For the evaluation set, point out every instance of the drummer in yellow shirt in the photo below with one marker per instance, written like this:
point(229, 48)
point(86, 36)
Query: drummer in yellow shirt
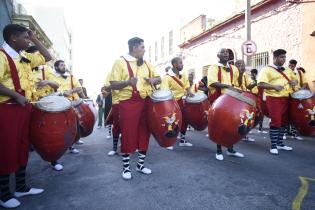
point(278, 82)
point(177, 82)
point(69, 87)
point(16, 89)
point(134, 78)
point(230, 78)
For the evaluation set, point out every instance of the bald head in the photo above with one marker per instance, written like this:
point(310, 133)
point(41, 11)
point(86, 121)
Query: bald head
point(223, 55)
point(177, 63)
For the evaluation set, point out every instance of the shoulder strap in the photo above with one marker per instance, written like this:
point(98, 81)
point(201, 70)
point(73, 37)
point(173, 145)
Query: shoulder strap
point(43, 74)
point(14, 74)
point(283, 74)
point(231, 75)
point(150, 72)
point(177, 81)
point(130, 72)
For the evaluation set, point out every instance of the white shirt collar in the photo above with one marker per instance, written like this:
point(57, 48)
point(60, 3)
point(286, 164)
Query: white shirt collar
point(129, 58)
point(274, 66)
point(60, 75)
point(172, 74)
point(11, 52)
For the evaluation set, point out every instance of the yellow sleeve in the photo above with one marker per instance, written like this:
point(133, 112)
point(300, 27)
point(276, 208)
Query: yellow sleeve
point(152, 69)
point(236, 74)
point(165, 83)
point(263, 76)
point(35, 58)
point(49, 73)
point(304, 78)
point(186, 81)
point(212, 75)
point(3, 66)
point(76, 83)
point(116, 74)
point(106, 83)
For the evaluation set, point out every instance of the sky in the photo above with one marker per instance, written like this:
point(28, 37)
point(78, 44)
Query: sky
point(101, 29)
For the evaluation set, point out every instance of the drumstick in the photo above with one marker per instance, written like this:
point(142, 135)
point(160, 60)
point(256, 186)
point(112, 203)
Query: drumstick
point(36, 102)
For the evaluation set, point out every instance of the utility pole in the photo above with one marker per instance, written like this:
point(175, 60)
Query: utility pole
point(248, 28)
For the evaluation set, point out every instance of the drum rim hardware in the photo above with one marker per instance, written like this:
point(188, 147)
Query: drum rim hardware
point(240, 97)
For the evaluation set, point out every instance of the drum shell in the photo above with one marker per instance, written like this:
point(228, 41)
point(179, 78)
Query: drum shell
point(85, 118)
point(196, 114)
point(224, 119)
point(93, 108)
point(299, 116)
point(51, 134)
point(157, 114)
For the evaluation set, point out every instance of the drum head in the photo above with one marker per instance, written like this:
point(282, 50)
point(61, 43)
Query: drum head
point(53, 104)
point(197, 98)
point(76, 102)
point(162, 95)
point(302, 94)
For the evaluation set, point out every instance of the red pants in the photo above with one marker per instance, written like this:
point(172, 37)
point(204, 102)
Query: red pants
point(14, 137)
point(116, 127)
point(278, 110)
point(183, 129)
point(133, 123)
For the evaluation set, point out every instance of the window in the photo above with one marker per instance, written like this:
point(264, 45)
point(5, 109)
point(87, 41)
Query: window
point(170, 43)
point(162, 47)
point(156, 51)
point(259, 60)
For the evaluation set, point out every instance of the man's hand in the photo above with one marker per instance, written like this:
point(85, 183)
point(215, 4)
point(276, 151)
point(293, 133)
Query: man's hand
point(67, 93)
point(293, 83)
point(278, 87)
point(41, 83)
point(32, 35)
point(20, 99)
point(133, 81)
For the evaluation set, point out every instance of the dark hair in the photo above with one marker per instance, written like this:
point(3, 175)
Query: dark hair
point(254, 71)
point(31, 49)
point(292, 61)
point(134, 42)
point(279, 52)
point(301, 69)
point(175, 60)
point(12, 29)
point(56, 64)
point(80, 79)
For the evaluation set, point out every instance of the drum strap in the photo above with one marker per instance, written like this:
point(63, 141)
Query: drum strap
point(283, 74)
point(196, 89)
point(134, 88)
point(14, 74)
point(72, 85)
point(178, 81)
point(43, 74)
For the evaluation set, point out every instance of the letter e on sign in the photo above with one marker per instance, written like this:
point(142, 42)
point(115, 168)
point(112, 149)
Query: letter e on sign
point(249, 48)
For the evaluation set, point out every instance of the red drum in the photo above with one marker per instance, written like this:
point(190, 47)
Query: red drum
point(164, 117)
point(85, 117)
point(231, 117)
point(196, 111)
point(302, 112)
point(92, 107)
point(53, 127)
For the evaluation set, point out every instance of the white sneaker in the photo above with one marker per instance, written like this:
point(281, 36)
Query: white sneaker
point(284, 137)
point(9, 204)
point(185, 144)
point(57, 167)
point(249, 139)
point(144, 170)
point(219, 156)
point(109, 136)
point(274, 151)
point(298, 138)
point(126, 175)
point(286, 148)
point(235, 154)
point(80, 142)
point(32, 191)
point(74, 151)
point(207, 135)
point(111, 153)
point(264, 132)
point(170, 148)
point(99, 127)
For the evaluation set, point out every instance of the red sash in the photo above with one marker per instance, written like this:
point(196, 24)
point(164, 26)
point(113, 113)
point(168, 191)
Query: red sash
point(283, 74)
point(196, 89)
point(14, 74)
point(134, 87)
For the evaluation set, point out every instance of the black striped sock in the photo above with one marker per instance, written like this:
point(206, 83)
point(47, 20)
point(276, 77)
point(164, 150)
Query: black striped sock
point(141, 156)
point(20, 181)
point(126, 164)
point(115, 143)
point(282, 131)
point(219, 149)
point(5, 188)
point(110, 130)
point(294, 131)
point(274, 135)
point(182, 138)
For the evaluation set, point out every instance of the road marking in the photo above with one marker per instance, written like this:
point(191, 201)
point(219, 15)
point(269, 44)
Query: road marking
point(296, 205)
